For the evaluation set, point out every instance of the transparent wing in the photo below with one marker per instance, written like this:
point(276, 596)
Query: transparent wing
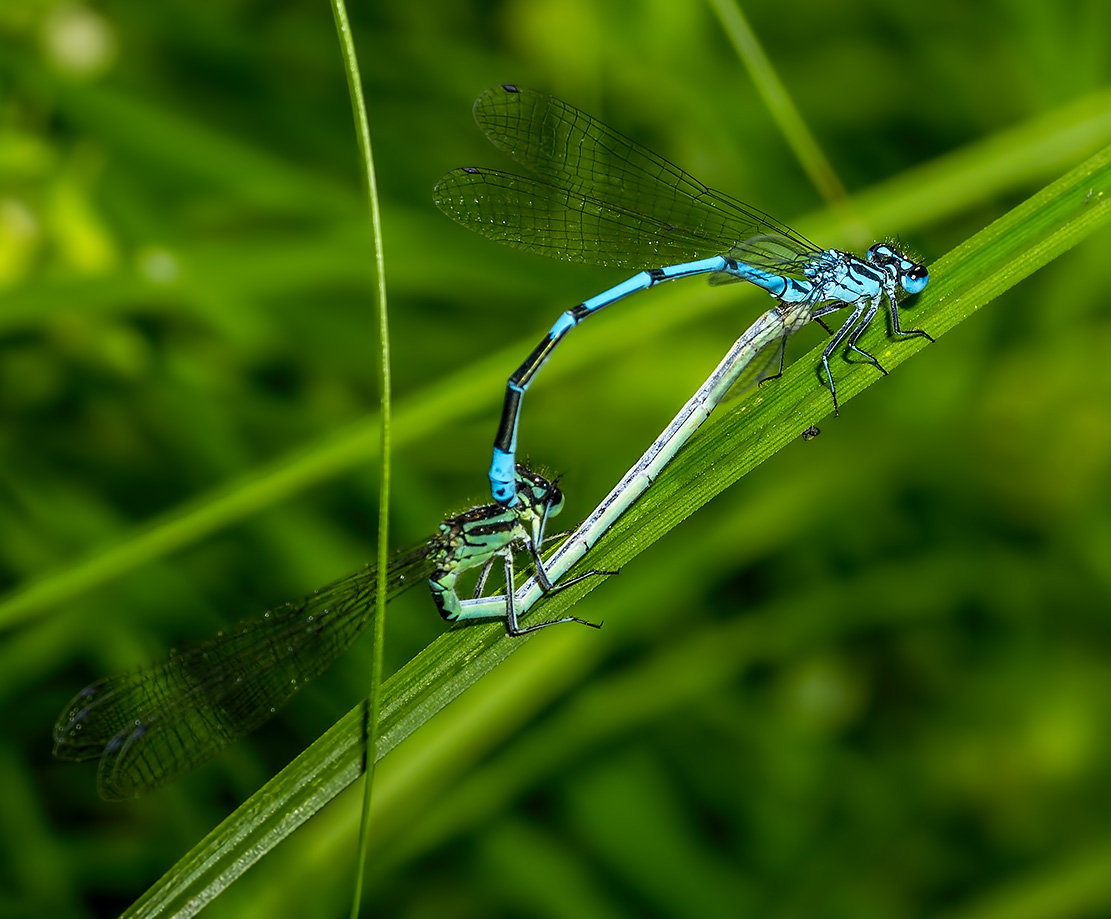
point(599, 184)
point(769, 336)
point(544, 219)
point(770, 251)
point(150, 728)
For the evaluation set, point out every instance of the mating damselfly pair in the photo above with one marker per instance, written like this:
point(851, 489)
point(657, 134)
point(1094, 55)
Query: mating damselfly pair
point(598, 198)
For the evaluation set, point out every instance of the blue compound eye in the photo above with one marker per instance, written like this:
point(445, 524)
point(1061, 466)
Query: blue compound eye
point(915, 280)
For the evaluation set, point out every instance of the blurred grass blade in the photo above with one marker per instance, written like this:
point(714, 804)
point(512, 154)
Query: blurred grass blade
point(1011, 249)
point(779, 102)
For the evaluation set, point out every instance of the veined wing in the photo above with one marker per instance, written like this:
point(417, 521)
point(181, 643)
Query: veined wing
point(769, 336)
point(150, 728)
point(576, 152)
point(771, 252)
point(545, 219)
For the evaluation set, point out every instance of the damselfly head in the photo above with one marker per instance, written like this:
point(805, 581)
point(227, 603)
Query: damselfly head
point(912, 276)
point(538, 492)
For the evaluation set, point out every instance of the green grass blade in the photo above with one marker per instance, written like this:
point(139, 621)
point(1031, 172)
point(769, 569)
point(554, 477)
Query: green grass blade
point(373, 703)
point(779, 102)
point(745, 434)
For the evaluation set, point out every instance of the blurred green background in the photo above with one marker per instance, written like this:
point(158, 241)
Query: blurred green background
point(869, 681)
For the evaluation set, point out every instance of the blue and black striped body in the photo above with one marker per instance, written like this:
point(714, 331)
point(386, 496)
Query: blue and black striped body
point(602, 199)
